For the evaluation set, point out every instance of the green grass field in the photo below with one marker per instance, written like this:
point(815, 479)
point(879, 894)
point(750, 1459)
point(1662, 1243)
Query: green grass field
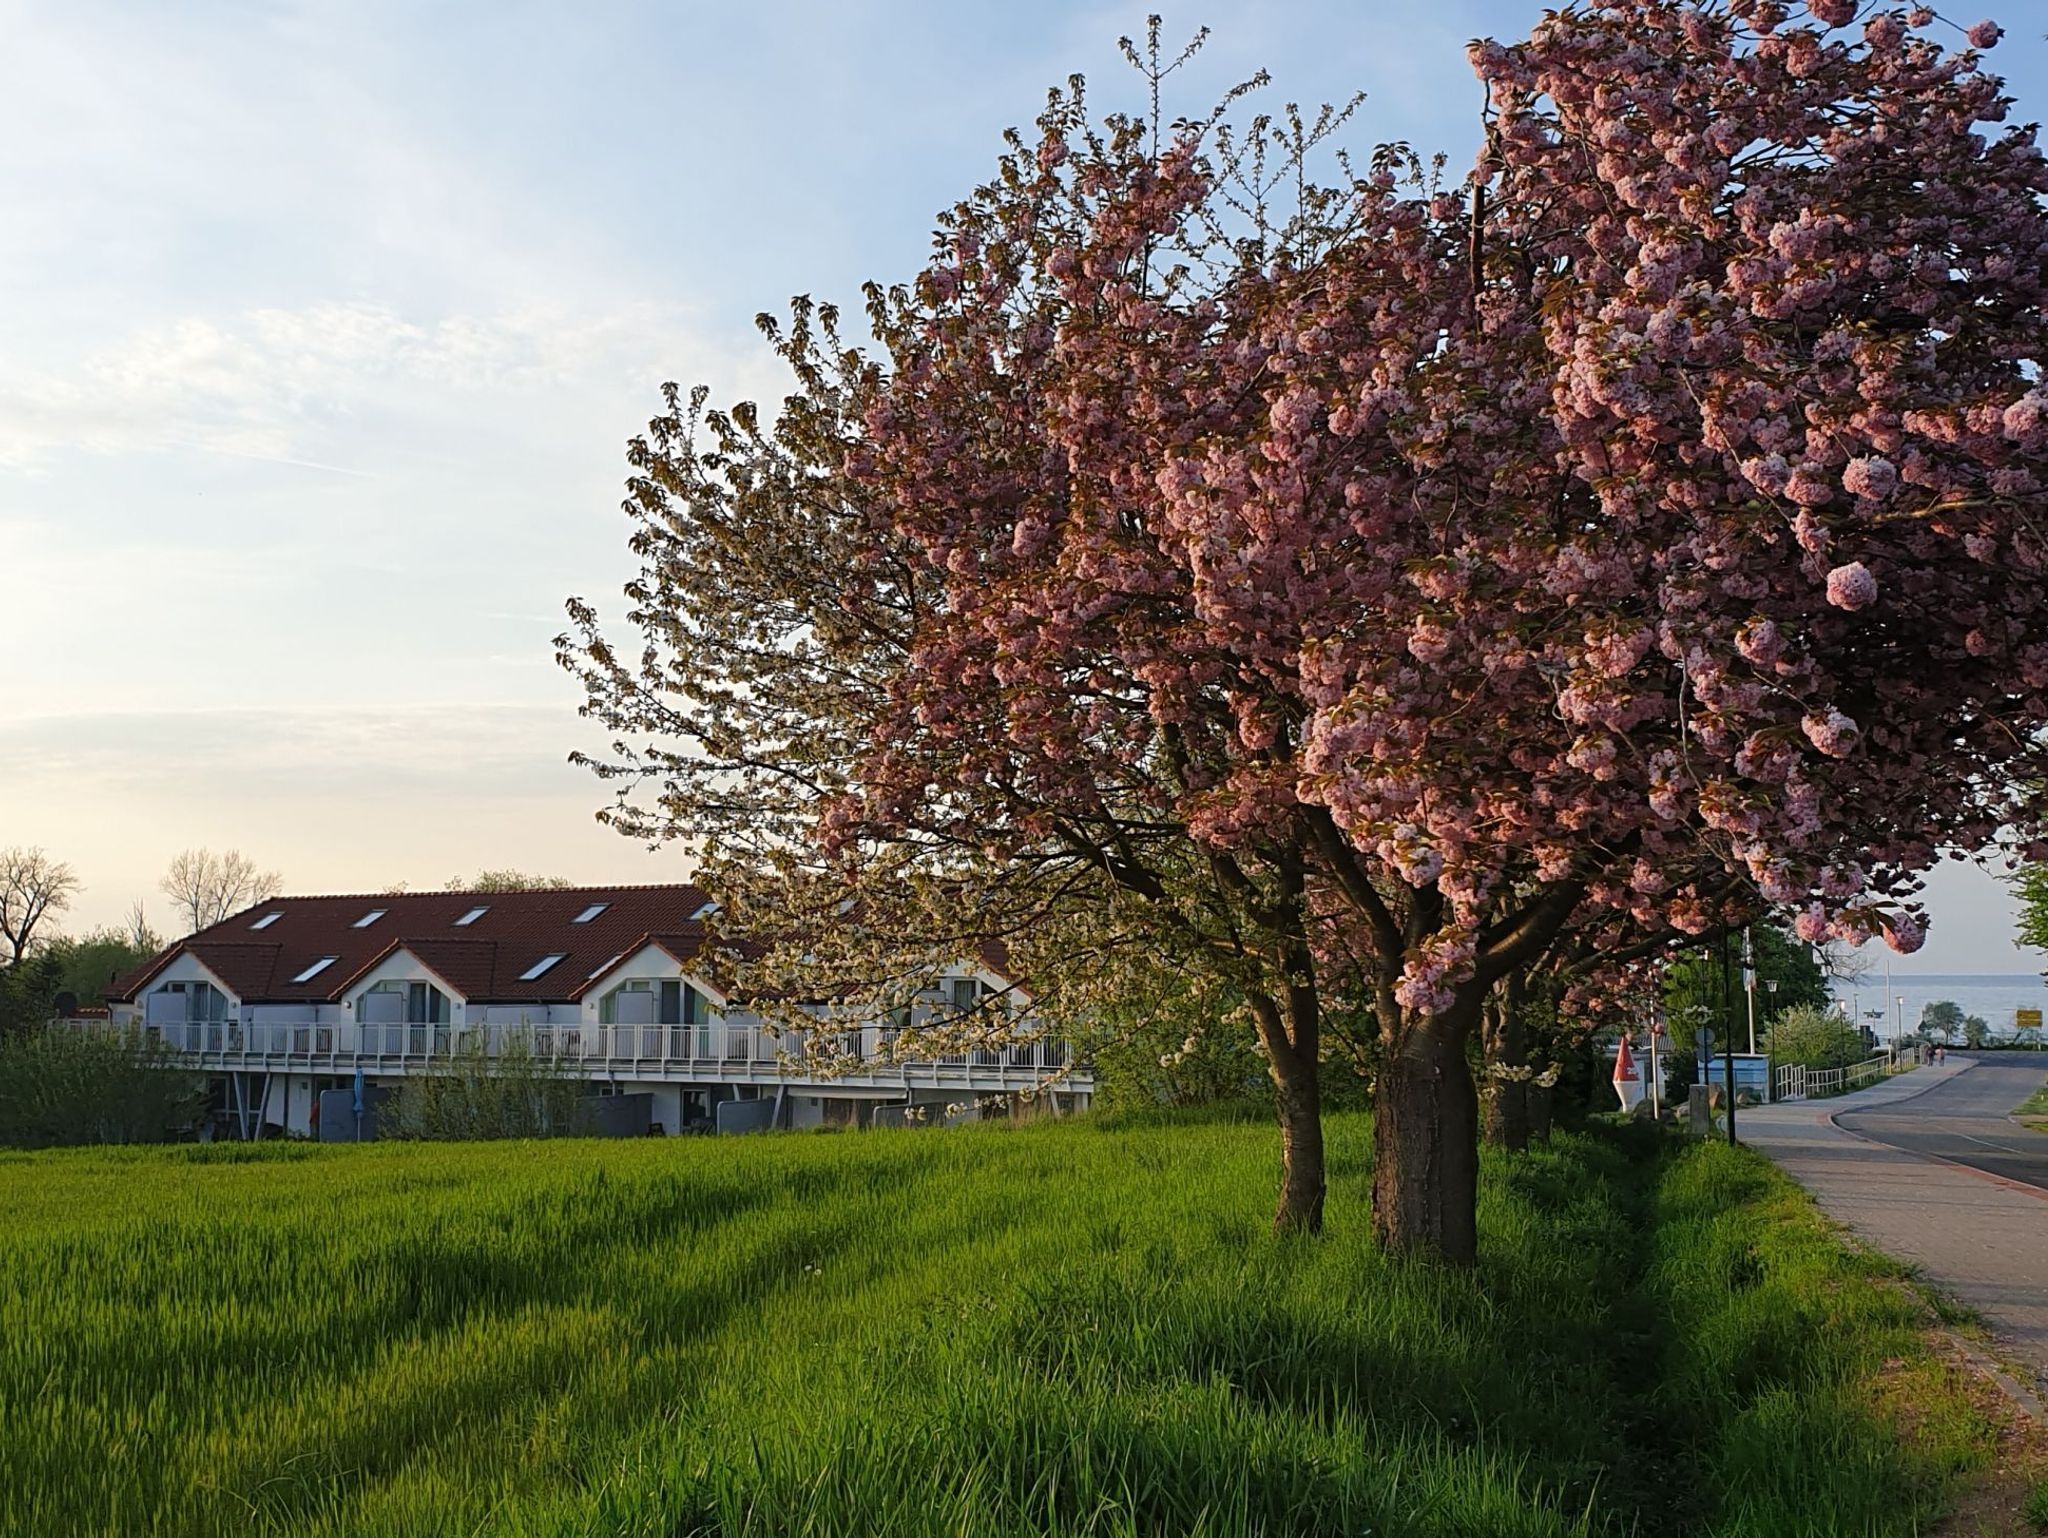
point(1061, 1329)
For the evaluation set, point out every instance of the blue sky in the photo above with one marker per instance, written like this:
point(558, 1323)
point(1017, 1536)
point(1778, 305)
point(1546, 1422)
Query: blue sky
point(327, 324)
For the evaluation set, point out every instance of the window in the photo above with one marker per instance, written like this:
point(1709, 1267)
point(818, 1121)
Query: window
point(665, 1001)
point(191, 1003)
point(316, 969)
point(541, 966)
point(473, 915)
point(369, 918)
point(413, 1003)
point(267, 920)
point(590, 913)
point(704, 912)
point(966, 993)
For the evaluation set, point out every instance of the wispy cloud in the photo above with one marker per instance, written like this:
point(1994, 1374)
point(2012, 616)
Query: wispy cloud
point(481, 749)
point(263, 384)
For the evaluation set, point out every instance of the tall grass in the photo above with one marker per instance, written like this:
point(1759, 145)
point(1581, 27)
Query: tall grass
point(1060, 1329)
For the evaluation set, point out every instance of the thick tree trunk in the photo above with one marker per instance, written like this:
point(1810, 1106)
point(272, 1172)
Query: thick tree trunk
point(1425, 1174)
point(1505, 1037)
point(1293, 1045)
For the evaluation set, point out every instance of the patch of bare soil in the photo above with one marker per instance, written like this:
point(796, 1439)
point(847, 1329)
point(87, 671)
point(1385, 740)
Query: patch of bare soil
point(2001, 1499)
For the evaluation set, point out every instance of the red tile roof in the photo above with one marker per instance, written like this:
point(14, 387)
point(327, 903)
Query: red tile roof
point(480, 961)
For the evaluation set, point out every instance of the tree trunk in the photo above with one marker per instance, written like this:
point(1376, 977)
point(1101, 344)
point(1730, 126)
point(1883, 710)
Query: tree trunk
point(1425, 1173)
point(1292, 1048)
point(1541, 1100)
point(1302, 1178)
point(1505, 1037)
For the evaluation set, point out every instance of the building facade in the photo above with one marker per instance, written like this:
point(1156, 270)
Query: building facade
point(619, 986)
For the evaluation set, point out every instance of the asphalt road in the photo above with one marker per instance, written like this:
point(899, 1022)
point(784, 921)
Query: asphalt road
point(1966, 1118)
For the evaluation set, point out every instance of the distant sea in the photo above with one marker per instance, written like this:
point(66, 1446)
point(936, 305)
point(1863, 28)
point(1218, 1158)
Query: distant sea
point(1994, 995)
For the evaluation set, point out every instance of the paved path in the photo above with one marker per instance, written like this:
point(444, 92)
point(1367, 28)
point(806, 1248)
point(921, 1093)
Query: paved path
point(1981, 1237)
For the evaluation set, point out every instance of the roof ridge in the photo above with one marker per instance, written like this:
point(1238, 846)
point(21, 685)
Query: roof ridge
point(524, 891)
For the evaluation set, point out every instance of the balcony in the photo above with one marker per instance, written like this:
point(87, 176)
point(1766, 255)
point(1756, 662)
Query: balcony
point(734, 1053)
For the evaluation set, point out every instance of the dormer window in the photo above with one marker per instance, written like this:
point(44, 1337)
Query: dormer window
point(186, 1004)
point(316, 969)
point(653, 1001)
point(541, 966)
point(369, 918)
point(590, 913)
point(472, 916)
point(267, 920)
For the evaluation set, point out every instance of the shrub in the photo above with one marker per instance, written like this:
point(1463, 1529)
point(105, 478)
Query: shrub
point(1813, 1037)
point(60, 1087)
point(475, 1095)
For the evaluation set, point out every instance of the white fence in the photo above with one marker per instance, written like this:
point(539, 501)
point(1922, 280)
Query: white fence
point(1795, 1081)
point(751, 1050)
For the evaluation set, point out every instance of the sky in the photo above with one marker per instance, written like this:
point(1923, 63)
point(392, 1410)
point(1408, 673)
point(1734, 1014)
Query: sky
point(328, 323)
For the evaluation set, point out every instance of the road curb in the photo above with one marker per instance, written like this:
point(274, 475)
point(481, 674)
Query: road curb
point(1914, 1153)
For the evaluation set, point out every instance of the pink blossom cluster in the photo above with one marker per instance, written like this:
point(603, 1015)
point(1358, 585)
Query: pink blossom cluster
point(1852, 586)
point(1434, 970)
point(1486, 609)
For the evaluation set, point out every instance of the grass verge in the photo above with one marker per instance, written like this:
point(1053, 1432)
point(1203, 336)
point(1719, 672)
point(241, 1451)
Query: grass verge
point(1065, 1329)
point(2034, 1111)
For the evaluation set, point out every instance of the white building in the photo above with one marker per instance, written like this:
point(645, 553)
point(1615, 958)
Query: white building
point(618, 985)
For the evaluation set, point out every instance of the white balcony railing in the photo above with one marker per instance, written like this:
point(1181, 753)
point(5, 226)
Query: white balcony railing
point(713, 1048)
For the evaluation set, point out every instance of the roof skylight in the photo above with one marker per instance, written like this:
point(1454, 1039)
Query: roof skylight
point(268, 919)
point(541, 966)
point(473, 915)
point(316, 969)
point(369, 918)
point(704, 912)
point(590, 913)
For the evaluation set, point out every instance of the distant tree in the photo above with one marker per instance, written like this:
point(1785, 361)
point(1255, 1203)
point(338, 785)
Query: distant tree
point(1976, 1031)
point(1941, 1019)
point(2030, 885)
point(207, 887)
point(89, 963)
point(1701, 990)
point(508, 881)
point(1816, 1038)
point(32, 887)
point(141, 933)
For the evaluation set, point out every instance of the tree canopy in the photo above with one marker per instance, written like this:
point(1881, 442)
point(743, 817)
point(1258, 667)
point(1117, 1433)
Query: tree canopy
point(1380, 585)
point(33, 888)
point(205, 885)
